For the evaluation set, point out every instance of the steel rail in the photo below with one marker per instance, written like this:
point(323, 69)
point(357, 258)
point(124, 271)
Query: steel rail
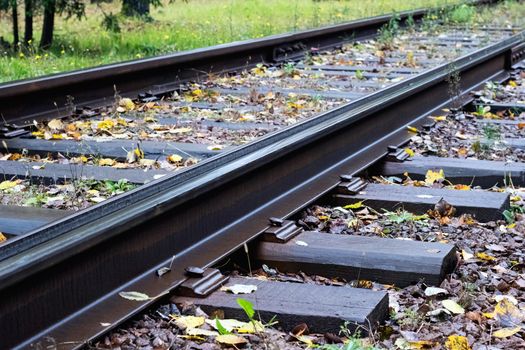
point(198, 220)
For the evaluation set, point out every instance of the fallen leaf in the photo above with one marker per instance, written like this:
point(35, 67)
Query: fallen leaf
point(354, 205)
point(55, 124)
point(510, 298)
point(410, 152)
point(457, 342)
point(434, 176)
point(485, 257)
point(228, 324)
point(508, 314)
point(174, 158)
point(5, 185)
point(180, 130)
point(431, 291)
point(251, 327)
point(186, 322)
point(195, 332)
point(127, 104)
point(466, 255)
point(453, 307)
point(3, 238)
point(136, 296)
point(412, 129)
point(230, 339)
point(240, 288)
point(106, 162)
point(506, 332)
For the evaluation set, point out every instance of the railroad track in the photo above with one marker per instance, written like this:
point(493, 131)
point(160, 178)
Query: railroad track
point(269, 130)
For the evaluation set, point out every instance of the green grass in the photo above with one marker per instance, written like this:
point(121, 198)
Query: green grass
point(180, 26)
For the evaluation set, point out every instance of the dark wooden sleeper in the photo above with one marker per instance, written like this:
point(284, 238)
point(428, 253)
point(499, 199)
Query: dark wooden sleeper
point(483, 205)
point(383, 260)
point(49, 173)
point(484, 173)
point(322, 308)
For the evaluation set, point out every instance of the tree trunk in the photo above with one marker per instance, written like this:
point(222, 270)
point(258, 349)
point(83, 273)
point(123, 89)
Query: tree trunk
point(49, 23)
point(28, 21)
point(16, 36)
point(135, 8)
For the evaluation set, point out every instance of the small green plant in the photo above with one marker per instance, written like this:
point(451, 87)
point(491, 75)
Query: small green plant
point(354, 341)
point(462, 14)
point(402, 216)
point(118, 187)
point(491, 133)
point(411, 319)
point(410, 23)
point(289, 69)
point(37, 200)
point(388, 32)
point(510, 214)
point(359, 74)
point(220, 327)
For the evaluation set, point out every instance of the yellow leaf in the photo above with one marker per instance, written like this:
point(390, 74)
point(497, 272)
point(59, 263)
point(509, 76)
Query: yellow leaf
point(139, 153)
point(106, 162)
point(485, 257)
point(3, 238)
point(251, 327)
point(439, 118)
point(488, 314)
point(230, 339)
point(180, 130)
point(457, 342)
point(513, 83)
point(433, 176)
point(410, 152)
point(354, 206)
point(185, 322)
point(453, 307)
point(511, 225)
point(5, 185)
point(506, 332)
point(323, 217)
point(106, 124)
point(421, 344)
point(174, 158)
point(412, 129)
point(462, 187)
point(127, 104)
point(508, 314)
point(55, 124)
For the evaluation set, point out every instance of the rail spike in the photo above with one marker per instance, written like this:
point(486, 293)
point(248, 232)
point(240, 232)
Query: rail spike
point(396, 154)
point(350, 185)
point(281, 231)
